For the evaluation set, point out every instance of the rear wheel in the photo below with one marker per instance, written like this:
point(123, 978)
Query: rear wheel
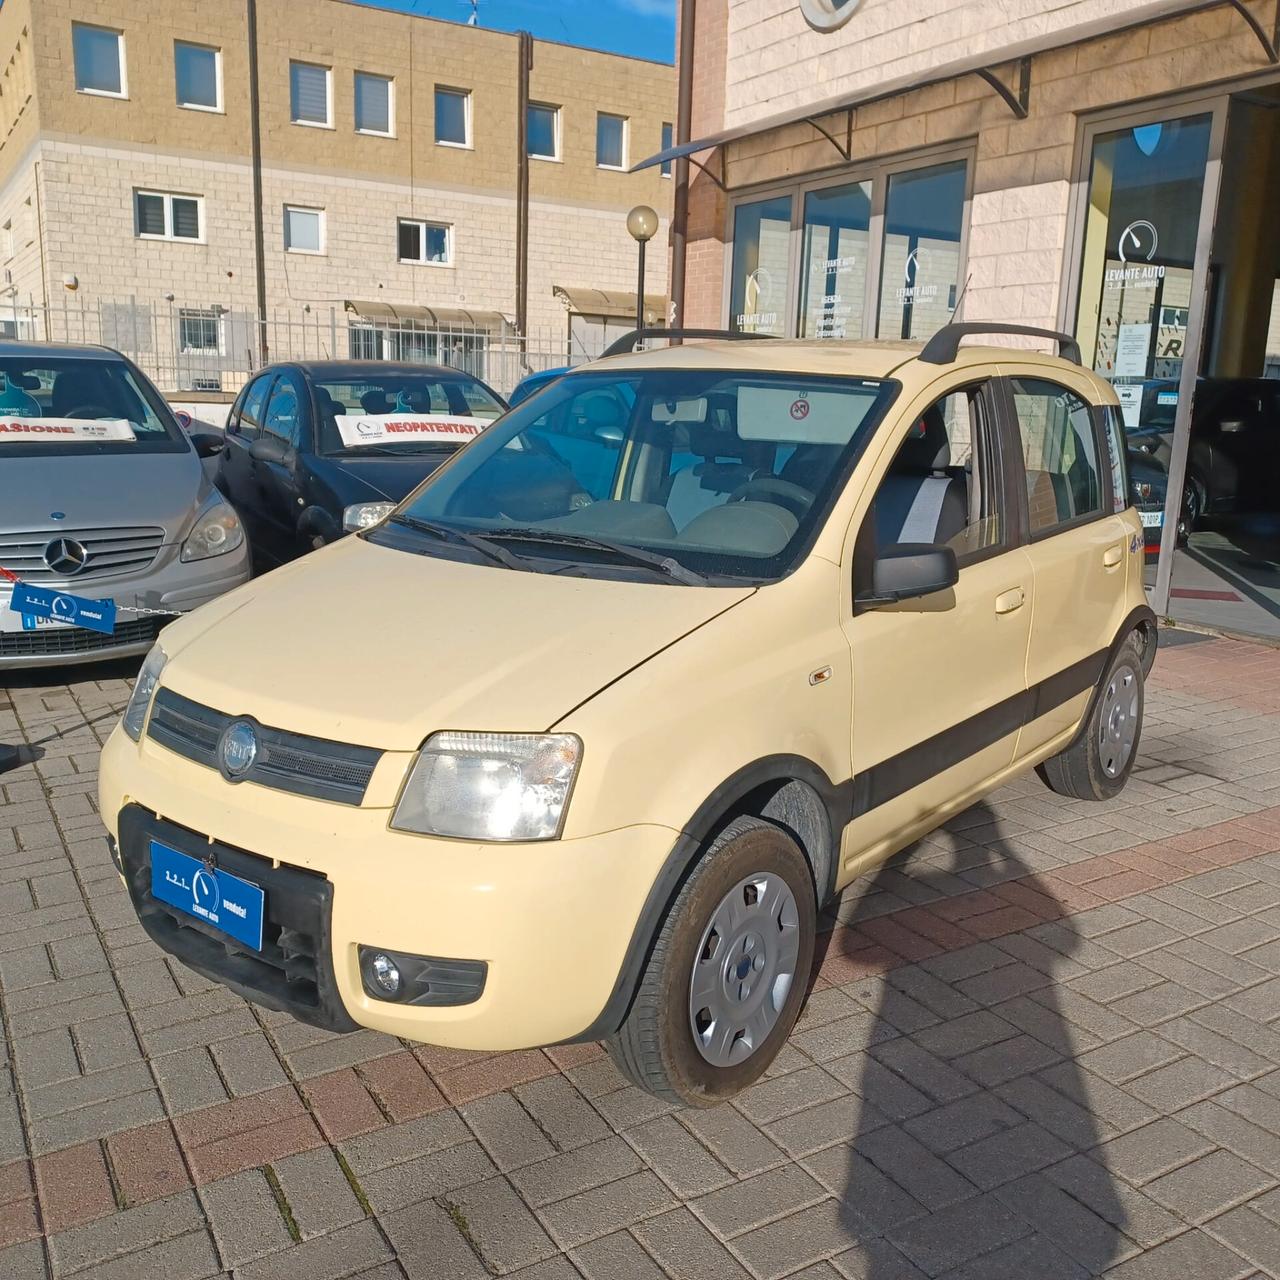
point(728, 972)
point(1097, 765)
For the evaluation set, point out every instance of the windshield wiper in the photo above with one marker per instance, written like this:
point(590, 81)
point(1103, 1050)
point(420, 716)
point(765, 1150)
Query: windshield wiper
point(447, 533)
point(562, 538)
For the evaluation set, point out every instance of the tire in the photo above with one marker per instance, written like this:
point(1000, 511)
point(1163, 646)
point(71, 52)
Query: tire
point(1098, 763)
point(744, 873)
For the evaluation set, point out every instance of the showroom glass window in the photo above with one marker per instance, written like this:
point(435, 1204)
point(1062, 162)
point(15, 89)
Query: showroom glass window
point(1146, 184)
point(833, 261)
point(761, 252)
point(920, 268)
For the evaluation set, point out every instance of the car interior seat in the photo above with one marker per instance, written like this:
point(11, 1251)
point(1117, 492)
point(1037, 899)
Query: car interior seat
point(921, 500)
point(78, 389)
point(726, 465)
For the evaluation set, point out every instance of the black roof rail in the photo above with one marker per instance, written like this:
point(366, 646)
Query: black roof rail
point(629, 341)
point(943, 346)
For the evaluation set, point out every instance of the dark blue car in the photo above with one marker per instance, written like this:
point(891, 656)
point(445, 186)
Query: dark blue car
point(315, 449)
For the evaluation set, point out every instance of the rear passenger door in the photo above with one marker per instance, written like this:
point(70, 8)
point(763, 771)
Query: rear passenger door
point(939, 682)
point(1079, 546)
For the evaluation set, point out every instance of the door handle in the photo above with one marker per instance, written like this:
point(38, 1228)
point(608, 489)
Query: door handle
point(1008, 601)
point(1112, 557)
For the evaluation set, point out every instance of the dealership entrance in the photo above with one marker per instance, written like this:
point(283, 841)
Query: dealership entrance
point(1176, 300)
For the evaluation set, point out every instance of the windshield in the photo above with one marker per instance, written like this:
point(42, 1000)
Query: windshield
point(717, 475)
point(68, 407)
point(403, 412)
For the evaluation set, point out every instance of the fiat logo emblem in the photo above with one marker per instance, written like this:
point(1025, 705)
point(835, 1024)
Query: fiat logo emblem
point(65, 557)
point(237, 750)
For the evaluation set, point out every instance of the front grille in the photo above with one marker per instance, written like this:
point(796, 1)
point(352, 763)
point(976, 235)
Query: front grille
point(292, 762)
point(56, 642)
point(293, 972)
point(109, 552)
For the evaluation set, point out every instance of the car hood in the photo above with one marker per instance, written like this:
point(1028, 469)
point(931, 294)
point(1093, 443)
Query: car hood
point(102, 492)
point(380, 647)
point(378, 479)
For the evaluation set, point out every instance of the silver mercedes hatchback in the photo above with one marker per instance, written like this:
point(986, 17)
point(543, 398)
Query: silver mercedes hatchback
point(102, 496)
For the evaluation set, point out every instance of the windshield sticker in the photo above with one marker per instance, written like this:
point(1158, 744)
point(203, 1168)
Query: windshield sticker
point(68, 430)
point(407, 428)
point(800, 417)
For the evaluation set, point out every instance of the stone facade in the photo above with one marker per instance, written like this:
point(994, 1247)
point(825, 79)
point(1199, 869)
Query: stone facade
point(71, 163)
point(760, 59)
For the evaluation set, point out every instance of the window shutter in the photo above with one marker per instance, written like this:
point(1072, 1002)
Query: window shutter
point(309, 92)
point(186, 218)
point(373, 103)
point(150, 215)
point(97, 58)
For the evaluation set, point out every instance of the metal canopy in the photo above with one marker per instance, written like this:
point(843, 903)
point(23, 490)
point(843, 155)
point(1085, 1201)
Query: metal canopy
point(614, 303)
point(1019, 54)
point(402, 313)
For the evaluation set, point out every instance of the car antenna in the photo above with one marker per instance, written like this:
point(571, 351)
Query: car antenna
point(956, 309)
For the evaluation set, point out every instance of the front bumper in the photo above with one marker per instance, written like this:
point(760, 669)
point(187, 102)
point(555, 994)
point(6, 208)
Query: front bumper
point(551, 921)
point(168, 584)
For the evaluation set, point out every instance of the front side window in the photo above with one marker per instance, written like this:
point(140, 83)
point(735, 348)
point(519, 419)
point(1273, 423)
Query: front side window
point(665, 167)
point(920, 273)
point(1060, 452)
point(98, 53)
point(161, 215)
point(197, 73)
point(611, 141)
point(375, 112)
point(303, 229)
point(761, 250)
point(728, 475)
point(60, 408)
point(544, 132)
point(453, 117)
point(428, 242)
point(199, 330)
point(833, 266)
point(310, 99)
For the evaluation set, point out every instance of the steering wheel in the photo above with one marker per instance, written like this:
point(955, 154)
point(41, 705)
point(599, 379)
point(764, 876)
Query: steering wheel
point(90, 411)
point(794, 497)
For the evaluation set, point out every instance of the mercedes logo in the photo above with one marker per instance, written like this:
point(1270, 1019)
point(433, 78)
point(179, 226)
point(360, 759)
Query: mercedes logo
point(237, 750)
point(65, 557)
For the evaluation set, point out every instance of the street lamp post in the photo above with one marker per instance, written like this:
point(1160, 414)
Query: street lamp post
point(642, 223)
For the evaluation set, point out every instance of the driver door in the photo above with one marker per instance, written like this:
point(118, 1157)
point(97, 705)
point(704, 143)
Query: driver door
point(939, 682)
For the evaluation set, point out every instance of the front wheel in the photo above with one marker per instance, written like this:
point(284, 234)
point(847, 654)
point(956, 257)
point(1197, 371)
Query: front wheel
point(1098, 763)
point(728, 971)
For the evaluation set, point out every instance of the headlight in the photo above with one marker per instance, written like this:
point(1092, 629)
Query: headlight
point(135, 714)
point(217, 531)
point(490, 786)
point(364, 515)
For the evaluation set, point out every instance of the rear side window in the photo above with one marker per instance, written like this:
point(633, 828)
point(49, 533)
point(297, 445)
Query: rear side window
point(1060, 452)
point(251, 412)
point(1113, 420)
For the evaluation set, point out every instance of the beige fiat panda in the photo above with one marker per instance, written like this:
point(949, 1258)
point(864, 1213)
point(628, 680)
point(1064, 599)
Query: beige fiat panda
point(575, 744)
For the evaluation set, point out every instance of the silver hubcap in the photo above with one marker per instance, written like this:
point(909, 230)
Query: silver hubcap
point(744, 969)
point(1118, 722)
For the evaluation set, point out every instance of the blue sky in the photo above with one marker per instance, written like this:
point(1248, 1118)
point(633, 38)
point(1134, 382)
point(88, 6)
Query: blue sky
point(644, 28)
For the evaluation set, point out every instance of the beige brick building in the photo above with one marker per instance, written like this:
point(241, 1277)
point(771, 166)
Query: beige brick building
point(388, 161)
point(862, 173)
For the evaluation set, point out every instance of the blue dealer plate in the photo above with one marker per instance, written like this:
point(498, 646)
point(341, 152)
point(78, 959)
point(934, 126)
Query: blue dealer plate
point(225, 901)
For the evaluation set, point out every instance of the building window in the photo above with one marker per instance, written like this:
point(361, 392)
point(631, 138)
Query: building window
point(160, 215)
point(833, 261)
point(544, 131)
point(197, 72)
point(429, 242)
point(827, 15)
point(611, 141)
point(99, 59)
point(920, 269)
point(453, 117)
point(303, 229)
point(375, 104)
point(199, 330)
point(761, 245)
point(665, 167)
point(310, 95)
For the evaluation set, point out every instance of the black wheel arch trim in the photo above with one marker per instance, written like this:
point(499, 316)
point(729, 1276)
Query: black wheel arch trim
point(1143, 616)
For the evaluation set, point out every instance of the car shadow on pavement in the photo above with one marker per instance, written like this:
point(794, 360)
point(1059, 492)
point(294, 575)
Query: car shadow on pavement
point(967, 1157)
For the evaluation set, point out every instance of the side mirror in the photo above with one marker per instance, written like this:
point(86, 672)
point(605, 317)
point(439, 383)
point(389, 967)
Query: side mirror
point(609, 435)
point(909, 570)
point(270, 449)
point(208, 443)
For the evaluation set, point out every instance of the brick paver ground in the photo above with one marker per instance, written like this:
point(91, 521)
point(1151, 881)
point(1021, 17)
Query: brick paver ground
point(1043, 1044)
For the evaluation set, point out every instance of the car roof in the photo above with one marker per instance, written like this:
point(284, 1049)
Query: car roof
point(15, 348)
point(358, 369)
point(882, 358)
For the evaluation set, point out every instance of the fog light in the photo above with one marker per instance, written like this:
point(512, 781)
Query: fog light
point(384, 972)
